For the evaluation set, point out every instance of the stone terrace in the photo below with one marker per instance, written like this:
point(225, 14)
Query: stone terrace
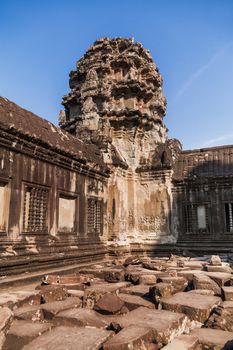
point(137, 303)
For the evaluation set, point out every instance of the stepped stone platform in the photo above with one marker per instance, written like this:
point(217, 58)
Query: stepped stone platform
point(116, 306)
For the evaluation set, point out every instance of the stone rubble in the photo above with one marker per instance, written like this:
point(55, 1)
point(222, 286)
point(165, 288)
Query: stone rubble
point(113, 306)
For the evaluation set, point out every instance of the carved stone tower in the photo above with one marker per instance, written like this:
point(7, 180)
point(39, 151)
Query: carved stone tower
point(116, 102)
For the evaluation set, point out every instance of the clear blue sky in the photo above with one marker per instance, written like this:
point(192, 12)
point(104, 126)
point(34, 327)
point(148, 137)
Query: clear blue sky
point(190, 41)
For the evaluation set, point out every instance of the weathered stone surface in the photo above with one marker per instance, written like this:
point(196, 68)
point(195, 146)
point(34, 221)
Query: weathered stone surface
point(189, 274)
point(194, 265)
point(147, 279)
point(132, 337)
point(97, 291)
point(160, 290)
point(202, 291)
point(184, 342)
point(51, 293)
point(29, 312)
point(53, 308)
point(139, 289)
point(212, 339)
point(165, 324)
point(76, 293)
point(79, 317)
point(202, 281)
point(179, 284)
point(132, 260)
point(223, 268)
point(133, 301)
point(110, 304)
point(221, 318)
point(220, 277)
point(2, 339)
point(19, 298)
point(197, 308)
point(228, 293)
point(70, 338)
point(23, 332)
point(6, 316)
point(215, 260)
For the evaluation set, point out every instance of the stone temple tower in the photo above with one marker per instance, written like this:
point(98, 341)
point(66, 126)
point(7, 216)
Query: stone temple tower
point(116, 102)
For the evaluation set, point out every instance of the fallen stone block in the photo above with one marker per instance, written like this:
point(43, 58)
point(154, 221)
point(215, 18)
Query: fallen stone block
point(139, 290)
point(147, 279)
point(2, 339)
point(194, 265)
point(221, 318)
point(6, 316)
point(132, 337)
point(76, 293)
point(71, 338)
point(23, 332)
point(113, 274)
point(228, 293)
point(184, 342)
point(51, 309)
point(212, 339)
point(29, 312)
point(221, 278)
point(80, 318)
point(166, 325)
point(95, 292)
point(51, 293)
point(215, 260)
point(225, 269)
point(197, 308)
point(202, 281)
point(201, 291)
point(189, 274)
point(110, 304)
point(160, 290)
point(132, 260)
point(179, 284)
point(133, 301)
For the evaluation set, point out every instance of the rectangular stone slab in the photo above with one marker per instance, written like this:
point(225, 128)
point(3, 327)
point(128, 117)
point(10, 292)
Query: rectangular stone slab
point(183, 342)
point(70, 338)
point(51, 309)
point(132, 337)
point(197, 307)
point(212, 337)
point(133, 301)
point(139, 290)
point(79, 318)
point(165, 324)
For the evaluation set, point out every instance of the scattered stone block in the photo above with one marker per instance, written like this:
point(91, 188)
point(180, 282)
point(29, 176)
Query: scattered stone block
point(221, 278)
point(212, 339)
point(132, 337)
point(71, 338)
point(183, 342)
point(110, 304)
point(23, 332)
point(51, 309)
point(215, 260)
point(202, 291)
point(194, 265)
point(179, 284)
point(160, 290)
point(202, 281)
point(114, 274)
point(147, 279)
point(29, 312)
point(80, 318)
point(228, 293)
point(166, 325)
point(222, 317)
point(76, 293)
point(133, 301)
point(197, 309)
point(51, 293)
point(2, 339)
point(139, 290)
point(6, 316)
point(225, 269)
point(132, 260)
point(189, 274)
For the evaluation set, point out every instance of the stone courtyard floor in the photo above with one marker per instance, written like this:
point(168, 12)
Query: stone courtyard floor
point(139, 303)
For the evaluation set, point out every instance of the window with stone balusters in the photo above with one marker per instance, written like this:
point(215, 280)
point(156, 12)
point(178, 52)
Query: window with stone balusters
point(35, 209)
point(196, 219)
point(95, 215)
point(229, 217)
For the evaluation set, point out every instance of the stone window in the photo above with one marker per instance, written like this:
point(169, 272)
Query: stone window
point(95, 215)
point(35, 209)
point(196, 218)
point(67, 213)
point(229, 216)
point(4, 203)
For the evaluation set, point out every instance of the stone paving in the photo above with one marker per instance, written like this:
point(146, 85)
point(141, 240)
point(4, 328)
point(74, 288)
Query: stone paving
point(171, 303)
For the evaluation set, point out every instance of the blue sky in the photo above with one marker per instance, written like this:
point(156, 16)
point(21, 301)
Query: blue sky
point(190, 41)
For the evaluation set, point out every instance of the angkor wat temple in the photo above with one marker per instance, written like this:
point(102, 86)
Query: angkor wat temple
point(108, 181)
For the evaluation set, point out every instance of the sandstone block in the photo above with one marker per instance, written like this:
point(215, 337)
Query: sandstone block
point(202, 291)
point(70, 338)
point(160, 290)
point(132, 337)
point(197, 309)
point(133, 301)
point(6, 316)
point(212, 338)
point(221, 278)
point(202, 281)
point(51, 293)
point(139, 290)
point(29, 312)
point(80, 318)
point(23, 332)
point(109, 304)
point(179, 284)
point(147, 279)
point(51, 309)
point(184, 342)
point(215, 260)
point(228, 293)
